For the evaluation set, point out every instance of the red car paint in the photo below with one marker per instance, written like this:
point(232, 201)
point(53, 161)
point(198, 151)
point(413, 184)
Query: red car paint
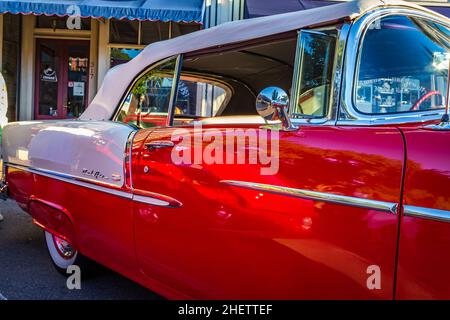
point(229, 242)
point(423, 261)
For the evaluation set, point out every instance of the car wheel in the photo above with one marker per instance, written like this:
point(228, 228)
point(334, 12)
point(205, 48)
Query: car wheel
point(64, 255)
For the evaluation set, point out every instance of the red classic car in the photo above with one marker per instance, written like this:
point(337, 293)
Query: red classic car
point(336, 186)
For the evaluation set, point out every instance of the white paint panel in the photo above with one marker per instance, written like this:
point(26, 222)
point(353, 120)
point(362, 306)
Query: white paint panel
point(92, 150)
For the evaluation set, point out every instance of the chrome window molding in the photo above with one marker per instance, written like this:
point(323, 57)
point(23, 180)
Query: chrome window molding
point(128, 156)
point(95, 185)
point(348, 114)
point(389, 207)
point(174, 90)
point(335, 91)
point(426, 213)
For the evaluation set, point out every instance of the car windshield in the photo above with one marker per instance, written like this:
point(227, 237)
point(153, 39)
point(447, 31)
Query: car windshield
point(403, 67)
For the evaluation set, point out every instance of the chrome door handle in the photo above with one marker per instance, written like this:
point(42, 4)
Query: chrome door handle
point(159, 145)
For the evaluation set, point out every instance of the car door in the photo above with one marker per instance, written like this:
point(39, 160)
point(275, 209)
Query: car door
point(409, 83)
point(424, 243)
point(236, 209)
point(319, 227)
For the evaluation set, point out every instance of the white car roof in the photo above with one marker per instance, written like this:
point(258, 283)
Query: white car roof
point(119, 78)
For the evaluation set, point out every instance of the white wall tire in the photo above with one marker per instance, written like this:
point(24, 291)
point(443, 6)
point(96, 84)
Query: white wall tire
point(60, 261)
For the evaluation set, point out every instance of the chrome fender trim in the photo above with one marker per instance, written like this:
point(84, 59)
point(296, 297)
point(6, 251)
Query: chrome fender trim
point(148, 198)
point(87, 183)
point(155, 199)
point(426, 213)
point(317, 196)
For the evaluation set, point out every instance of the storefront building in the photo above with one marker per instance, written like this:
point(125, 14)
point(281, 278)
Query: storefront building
point(55, 54)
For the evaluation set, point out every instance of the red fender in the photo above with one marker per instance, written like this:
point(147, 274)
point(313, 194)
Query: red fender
point(53, 218)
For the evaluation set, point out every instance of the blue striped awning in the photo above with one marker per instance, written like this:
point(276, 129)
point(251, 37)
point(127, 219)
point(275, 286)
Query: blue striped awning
point(258, 8)
point(189, 11)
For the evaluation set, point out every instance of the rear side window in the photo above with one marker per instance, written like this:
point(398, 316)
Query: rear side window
point(199, 98)
point(403, 66)
point(147, 102)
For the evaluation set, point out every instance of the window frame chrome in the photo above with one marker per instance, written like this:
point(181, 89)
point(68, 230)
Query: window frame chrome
point(348, 113)
point(330, 118)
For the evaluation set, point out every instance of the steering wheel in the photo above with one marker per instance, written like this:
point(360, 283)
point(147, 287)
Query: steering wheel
point(423, 98)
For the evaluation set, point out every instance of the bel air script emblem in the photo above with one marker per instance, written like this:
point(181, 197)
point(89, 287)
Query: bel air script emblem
point(98, 175)
point(95, 174)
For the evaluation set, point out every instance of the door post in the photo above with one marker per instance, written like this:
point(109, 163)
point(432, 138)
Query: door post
point(27, 56)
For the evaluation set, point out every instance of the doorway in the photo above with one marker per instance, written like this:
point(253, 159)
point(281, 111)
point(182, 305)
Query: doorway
point(62, 78)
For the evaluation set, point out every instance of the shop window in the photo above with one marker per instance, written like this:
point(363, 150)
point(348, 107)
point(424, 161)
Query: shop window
point(11, 60)
point(125, 32)
point(55, 22)
point(403, 66)
point(179, 29)
point(140, 34)
point(154, 31)
point(122, 55)
point(146, 32)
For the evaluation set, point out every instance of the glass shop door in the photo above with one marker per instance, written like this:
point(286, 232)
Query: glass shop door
point(62, 78)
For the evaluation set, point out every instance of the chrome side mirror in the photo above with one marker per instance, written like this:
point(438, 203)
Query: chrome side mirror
point(272, 104)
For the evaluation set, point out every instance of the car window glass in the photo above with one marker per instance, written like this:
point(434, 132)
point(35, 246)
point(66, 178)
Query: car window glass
point(403, 66)
point(226, 82)
point(199, 98)
point(148, 101)
point(315, 75)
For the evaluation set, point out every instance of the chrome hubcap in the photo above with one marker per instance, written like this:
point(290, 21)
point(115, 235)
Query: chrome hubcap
point(64, 248)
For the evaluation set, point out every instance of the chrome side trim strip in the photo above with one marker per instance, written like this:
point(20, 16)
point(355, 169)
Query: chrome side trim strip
point(76, 181)
point(426, 213)
point(71, 179)
point(55, 174)
point(152, 201)
point(317, 196)
point(156, 199)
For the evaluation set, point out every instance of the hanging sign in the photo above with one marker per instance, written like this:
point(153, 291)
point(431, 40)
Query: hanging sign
point(78, 89)
point(49, 75)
